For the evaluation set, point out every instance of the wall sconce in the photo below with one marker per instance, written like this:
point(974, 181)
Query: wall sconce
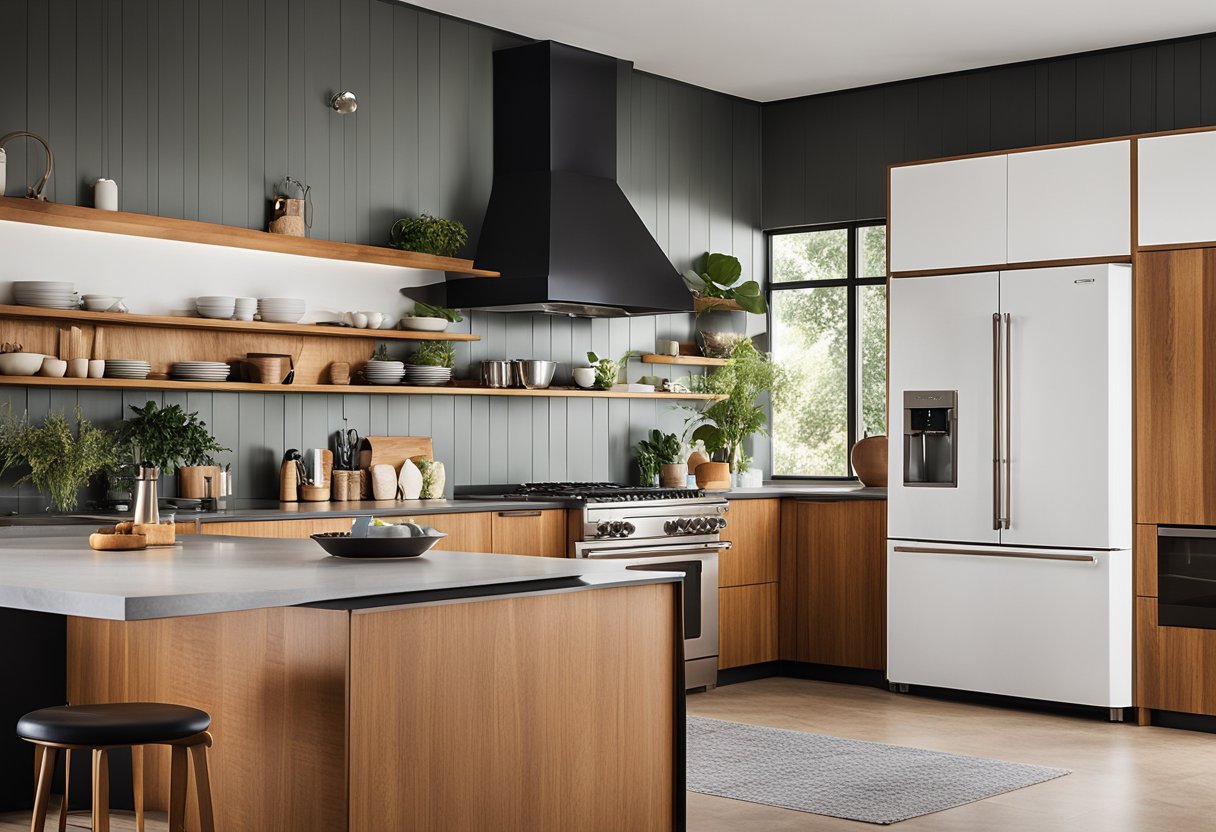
point(344, 102)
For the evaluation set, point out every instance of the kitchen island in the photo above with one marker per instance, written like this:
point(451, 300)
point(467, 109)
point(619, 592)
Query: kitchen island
point(464, 691)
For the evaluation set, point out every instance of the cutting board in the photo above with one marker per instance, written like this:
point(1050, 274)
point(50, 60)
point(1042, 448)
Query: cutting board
point(393, 450)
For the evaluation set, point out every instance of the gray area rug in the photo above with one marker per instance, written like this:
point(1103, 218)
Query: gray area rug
point(851, 779)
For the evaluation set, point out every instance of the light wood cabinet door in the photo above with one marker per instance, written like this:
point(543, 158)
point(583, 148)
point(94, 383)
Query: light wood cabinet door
point(529, 532)
point(465, 532)
point(747, 625)
point(754, 528)
point(1176, 178)
point(301, 528)
point(839, 579)
point(1175, 303)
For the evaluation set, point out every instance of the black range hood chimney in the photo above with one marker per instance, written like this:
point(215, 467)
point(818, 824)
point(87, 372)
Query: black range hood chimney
point(557, 226)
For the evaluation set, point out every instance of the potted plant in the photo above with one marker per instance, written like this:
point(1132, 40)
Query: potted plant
point(431, 364)
point(428, 318)
point(726, 422)
point(429, 235)
point(607, 371)
point(718, 281)
point(382, 369)
point(60, 463)
point(668, 453)
point(172, 440)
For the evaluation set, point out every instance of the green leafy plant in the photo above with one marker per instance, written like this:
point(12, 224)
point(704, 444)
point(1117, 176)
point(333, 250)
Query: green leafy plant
point(608, 371)
point(425, 310)
point(648, 464)
point(434, 354)
point(60, 463)
point(719, 276)
point(667, 448)
point(168, 437)
point(726, 422)
point(381, 353)
point(429, 235)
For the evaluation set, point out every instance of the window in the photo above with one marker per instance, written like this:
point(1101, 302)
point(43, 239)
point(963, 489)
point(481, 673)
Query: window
point(828, 320)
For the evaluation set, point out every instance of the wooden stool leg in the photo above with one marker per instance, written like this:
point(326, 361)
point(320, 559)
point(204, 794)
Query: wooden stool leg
point(179, 766)
point(67, 776)
point(137, 785)
point(101, 790)
point(42, 792)
point(202, 785)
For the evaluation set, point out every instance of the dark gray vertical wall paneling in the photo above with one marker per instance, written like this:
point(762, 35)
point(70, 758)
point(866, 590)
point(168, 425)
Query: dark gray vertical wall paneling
point(825, 156)
point(198, 108)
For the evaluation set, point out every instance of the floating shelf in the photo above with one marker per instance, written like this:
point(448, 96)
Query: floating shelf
point(374, 389)
point(691, 360)
point(215, 325)
point(701, 304)
point(15, 209)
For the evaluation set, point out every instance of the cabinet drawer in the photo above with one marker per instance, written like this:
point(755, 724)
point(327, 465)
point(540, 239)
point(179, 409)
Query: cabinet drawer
point(747, 625)
point(529, 532)
point(753, 527)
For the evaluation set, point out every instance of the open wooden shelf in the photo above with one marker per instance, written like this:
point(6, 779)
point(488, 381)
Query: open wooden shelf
point(375, 389)
point(701, 304)
point(15, 209)
point(69, 316)
point(692, 360)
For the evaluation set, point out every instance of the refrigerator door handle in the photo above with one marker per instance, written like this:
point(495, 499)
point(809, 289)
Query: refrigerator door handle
point(995, 553)
point(997, 501)
point(1007, 488)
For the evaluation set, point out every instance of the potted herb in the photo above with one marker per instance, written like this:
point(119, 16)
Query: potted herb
point(668, 453)
point(382, 369)
point(725, 423)
point(429, 235)
point(431, 364)
point(172, 440)
point(607, 371)
point(60, 463)
point(718, 281)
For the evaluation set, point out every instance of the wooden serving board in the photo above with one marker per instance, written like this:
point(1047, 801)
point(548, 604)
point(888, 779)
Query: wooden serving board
point(393, 450)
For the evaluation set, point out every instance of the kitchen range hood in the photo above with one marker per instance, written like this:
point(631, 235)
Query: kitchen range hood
point(558, 227)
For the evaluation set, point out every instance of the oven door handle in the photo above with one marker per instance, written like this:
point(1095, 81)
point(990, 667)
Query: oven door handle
point(659, 552)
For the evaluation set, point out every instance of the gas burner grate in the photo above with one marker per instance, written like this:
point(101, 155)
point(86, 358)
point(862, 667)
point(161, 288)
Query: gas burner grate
point(603, 492)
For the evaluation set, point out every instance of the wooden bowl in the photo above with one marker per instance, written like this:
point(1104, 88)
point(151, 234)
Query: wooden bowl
point(713, 476)
point(869, 457)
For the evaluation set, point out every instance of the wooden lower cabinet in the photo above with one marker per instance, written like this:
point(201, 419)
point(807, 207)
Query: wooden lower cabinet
point(278, 528)
point(754, 529)
point(834, 582)
point(1175, 666)
point(747, 625)
point(529, 532)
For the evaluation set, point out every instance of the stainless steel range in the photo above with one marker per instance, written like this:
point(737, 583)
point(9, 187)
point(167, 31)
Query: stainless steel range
point(659, 529)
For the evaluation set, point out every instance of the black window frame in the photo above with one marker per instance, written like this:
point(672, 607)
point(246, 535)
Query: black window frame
point(852, 283)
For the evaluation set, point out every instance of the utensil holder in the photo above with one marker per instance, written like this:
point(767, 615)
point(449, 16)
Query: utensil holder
point(342, 486)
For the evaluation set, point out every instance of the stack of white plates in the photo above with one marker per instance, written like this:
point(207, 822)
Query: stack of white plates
point(281, 310)
point(216, 306)
point(127, 368)
point(201, 371)
point(51, 294)
point(427, 376)
point(384, 372)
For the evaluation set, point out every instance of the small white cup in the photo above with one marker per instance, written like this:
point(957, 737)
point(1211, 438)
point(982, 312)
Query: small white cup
point(584, 376)
point(78, 368)
point(97, 368)
point(245, 308)
point(54, 367)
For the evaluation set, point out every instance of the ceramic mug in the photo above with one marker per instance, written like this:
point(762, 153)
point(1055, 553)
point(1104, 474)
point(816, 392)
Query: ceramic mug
point(584, 376)
point(97, 367)
point(54, 367)
point(78, 368)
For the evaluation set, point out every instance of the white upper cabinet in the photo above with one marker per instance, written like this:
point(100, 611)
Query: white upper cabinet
point(948, 214)
point(1070, 202)
point(1177, 180)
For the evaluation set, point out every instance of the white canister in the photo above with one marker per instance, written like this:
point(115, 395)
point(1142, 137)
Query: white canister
point(105, 195)
point(3, 167)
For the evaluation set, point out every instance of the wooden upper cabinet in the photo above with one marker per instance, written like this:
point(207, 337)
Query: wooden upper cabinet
point(1176, 178)
point(947, 215)
point(529, 532)
point(754, 528)
point(1175, 294)
point(1070, 202)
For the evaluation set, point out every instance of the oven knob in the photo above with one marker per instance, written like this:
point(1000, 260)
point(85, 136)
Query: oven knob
point(721, 522)
point(669, 527)
point(616, 528)
point(682, 525)
point(628, 529)
point(602, 529)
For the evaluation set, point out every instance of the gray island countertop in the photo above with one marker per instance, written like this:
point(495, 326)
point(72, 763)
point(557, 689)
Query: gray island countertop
point(59, 573)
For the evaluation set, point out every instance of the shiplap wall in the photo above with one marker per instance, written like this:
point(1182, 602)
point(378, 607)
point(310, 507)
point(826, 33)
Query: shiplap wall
point(826, 156)
point(197, 108)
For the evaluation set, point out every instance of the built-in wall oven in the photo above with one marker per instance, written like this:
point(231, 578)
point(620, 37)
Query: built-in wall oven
point(1186, 577)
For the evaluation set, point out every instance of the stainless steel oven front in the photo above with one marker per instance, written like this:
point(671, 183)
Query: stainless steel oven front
point(697, 559)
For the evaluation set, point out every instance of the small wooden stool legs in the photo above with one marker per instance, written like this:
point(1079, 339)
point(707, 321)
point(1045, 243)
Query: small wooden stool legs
point(191, 749)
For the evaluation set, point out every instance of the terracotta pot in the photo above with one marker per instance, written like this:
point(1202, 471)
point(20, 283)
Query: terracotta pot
point(191, 482)
point(674, 476)
point(713, 476)
point(869, 457)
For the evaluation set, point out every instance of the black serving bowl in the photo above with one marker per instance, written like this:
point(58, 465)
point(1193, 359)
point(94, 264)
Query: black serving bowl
point(342, 545)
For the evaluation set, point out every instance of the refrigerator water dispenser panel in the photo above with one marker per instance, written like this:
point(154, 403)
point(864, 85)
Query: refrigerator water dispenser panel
point(930, 440)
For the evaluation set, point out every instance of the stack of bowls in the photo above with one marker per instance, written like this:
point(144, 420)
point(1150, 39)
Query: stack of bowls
point(384, 372)
point(427, 376)
point(51, 294)
point(216, 306)
point(127, 368)
point(201, 371)
point(281, 310)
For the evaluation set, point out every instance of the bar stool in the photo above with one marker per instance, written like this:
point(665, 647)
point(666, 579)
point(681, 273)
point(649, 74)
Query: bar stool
point(99, 728)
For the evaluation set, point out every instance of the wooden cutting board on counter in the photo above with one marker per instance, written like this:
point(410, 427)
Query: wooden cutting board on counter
point(393, 450)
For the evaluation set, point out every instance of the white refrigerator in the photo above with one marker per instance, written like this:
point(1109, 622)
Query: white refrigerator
point(1009, 503)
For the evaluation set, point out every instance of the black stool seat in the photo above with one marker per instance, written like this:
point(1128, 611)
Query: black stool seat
point(121, 723)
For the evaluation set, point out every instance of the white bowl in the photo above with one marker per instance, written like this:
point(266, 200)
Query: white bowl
point(420, 324)
point(98, 303)
point(20, 363)
point(54, 367)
